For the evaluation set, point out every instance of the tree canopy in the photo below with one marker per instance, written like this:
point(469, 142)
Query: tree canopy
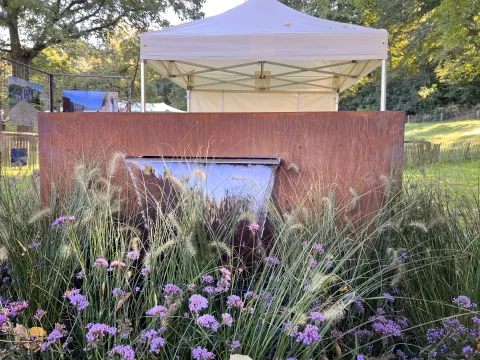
point(34, 25)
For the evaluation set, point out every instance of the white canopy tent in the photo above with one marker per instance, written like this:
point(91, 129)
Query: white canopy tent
point(264, 56)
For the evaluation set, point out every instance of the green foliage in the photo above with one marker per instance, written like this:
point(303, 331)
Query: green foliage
point(437, 229)
point(34, 25)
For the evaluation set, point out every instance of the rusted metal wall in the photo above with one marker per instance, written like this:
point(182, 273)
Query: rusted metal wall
point(353, 151)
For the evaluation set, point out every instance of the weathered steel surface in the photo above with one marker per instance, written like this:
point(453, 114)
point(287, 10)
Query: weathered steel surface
point(351, 150)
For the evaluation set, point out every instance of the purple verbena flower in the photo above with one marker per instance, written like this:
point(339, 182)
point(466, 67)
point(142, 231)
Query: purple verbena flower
point(97, 331)
point(272, 260)
point(172, 290)
point(318, 248)
point(469, 353)
point(79, 301)
point(337, 334)
point(197, 303)
point(39, 314)
point(317, 316)
point(234, 301)
point(146, 271)
point(34, 245)
point(235, 345)
point(157, 311)
point(464, 302)
point(312, 263)
point(359, 306)
point(118, 292)
point(209, 322)
point(208, 279)
point(253, 227)
point(227, 319)
point(308, 335)
point(133, 255)
point(202, 354)
point(80, 275)
point(156, 345)
point(209, 290)
point(100, 262)
point(124, 351)
point(389, 297)
point(248, 294)
point(191, 287)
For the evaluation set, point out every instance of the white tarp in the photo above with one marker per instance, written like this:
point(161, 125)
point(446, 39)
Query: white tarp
point(294, 52)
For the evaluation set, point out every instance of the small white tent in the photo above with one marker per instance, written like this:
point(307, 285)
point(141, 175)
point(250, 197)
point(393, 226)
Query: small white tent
point(264, 56)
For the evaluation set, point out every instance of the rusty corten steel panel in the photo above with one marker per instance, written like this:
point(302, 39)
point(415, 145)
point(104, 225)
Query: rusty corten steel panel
point(346, 149)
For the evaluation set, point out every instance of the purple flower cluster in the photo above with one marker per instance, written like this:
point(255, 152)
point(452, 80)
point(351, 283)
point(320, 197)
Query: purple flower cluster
point(453, 325)
point(308, 335)
point(312, 263)
point(402, 258)
point(318, 248)
point(389, 297)
point(227, 319)
point(469, 353)
point(385, 327)
point(235, 345)
point(146, 271)
point(34, 245)
point(253, 227)
point(116, 263)
point(337, 334)
point(39, 314)
point(62, 219)
point(191, 287)
point(172, 290)
point(464, 302)
point(101, 262)
point(208, 322)
point(156, 345)
point(234, 301)
point(80, 275)
point(435, 335)
point(77, 299)
point(317, 316)
point(208, 279)
point(14, 308)
point(197, 303)
point(202, 354)
point(133, 255)
point(118, 292)
point(124, 351)
point(266, 297)
point(359, 307)
point(272, 260)
point(96, 332)
point(57, 334)
point(157, 311)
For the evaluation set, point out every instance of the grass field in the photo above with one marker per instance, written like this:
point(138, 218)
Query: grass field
point(447, 132)
point(462, 178)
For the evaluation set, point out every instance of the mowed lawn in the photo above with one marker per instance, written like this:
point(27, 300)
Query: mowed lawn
point(462, 177)
point(447, 132)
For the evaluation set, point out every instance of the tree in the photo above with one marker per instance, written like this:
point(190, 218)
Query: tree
point(34, 25)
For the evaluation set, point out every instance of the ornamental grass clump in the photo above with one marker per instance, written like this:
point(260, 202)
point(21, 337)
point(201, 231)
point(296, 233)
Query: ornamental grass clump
point(105, 283)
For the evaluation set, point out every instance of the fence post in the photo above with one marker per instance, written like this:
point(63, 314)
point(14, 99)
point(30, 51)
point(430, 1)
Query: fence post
point(478, 112)
point(51, 92)
point(441, 116)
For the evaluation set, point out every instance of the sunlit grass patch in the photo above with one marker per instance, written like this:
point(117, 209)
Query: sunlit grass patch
point(447, 132)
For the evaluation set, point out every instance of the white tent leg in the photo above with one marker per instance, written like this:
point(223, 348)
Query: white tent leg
point(188, 100)
point(142, 84)
point(383, 91)
point(337, 99)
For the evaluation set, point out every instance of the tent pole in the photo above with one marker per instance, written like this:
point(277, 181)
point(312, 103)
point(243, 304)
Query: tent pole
point(383, 92)
point(142, 84)
point(337, 99)
point(188, 100)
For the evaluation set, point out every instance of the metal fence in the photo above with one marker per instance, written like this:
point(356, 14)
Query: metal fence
point(50, 98)
point(445, 115)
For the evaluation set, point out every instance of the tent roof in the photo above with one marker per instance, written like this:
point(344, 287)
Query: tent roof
point(298, 51)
